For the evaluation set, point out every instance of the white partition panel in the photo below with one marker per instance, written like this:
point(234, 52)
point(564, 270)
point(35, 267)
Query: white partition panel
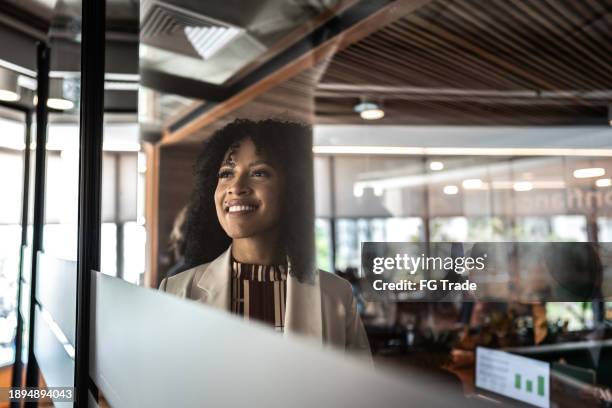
point(56, 365)
point(151, 349)
point(56, 291)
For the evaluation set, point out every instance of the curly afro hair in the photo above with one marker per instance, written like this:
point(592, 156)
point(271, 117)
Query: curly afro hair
point(288, 147)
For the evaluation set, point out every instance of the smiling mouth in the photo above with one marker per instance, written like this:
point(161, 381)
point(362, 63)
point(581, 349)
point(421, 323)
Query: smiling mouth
point(240, 209)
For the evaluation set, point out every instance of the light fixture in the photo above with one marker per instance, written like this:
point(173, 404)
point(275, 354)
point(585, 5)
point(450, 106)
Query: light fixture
point(9, 89)
point(523, 186)
point(60, 104)
point(603, 182)
point(369, 110)
point(436, 166)
point(589, 172)
point(472, 184)
point(60, 97)
point(450, 190)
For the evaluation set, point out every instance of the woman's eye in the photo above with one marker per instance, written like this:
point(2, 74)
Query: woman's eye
point(260, 173)
point(225, 174)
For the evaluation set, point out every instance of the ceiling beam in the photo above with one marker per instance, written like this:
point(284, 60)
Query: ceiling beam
point(345, 32)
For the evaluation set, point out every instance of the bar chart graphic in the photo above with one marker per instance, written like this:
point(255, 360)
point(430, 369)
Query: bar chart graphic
point(513, 376)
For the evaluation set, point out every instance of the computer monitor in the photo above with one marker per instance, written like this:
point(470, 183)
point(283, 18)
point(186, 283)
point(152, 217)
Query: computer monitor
point(516, 377)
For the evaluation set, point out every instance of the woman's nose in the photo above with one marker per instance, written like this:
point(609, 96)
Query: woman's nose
point(240, 186)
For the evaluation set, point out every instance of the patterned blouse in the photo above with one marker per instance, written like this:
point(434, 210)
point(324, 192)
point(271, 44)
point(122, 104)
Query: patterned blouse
point(259, 293)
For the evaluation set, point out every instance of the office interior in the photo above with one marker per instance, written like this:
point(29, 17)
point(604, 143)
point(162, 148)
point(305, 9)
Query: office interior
point(432, 121)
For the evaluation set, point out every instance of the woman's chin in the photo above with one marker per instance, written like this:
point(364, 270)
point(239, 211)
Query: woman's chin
point(251, 232)
point(241, 233)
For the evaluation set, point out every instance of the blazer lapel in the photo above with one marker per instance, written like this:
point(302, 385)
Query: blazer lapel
point(215, 282)
point(303, 309)
point(303, 304)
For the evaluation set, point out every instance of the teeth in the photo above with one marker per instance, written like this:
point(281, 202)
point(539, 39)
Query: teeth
point(237, 208)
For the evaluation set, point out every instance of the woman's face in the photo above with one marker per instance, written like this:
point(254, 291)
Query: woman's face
point(248, 193)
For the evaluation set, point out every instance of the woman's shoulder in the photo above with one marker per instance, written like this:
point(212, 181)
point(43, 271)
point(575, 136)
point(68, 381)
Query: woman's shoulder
point(181, 282)
point(332, 284)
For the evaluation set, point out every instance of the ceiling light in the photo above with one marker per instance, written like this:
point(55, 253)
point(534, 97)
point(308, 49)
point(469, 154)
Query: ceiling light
point(207, 41)
point(523, 186)
point(60, 104)
point(472, 184)
point(450, 190)
point(9, 90)
point(62, 94)
point(369, 110)
point(436, 166)
point(8, 96)
point(589, 172)
point(603, 182)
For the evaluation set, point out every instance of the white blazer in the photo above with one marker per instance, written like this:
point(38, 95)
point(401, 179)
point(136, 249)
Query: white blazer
point(324, 311)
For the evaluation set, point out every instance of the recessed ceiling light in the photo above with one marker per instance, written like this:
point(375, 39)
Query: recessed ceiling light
point(603, 182)
point(523, 186)
point(589, 172)
point(472, 184)
point(436, 166)
point(450, 190)
point(369, 111)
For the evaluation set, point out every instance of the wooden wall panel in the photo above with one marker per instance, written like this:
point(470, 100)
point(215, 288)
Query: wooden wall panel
point(174, 190)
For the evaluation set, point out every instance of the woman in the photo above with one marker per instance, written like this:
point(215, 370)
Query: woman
point(250, 230)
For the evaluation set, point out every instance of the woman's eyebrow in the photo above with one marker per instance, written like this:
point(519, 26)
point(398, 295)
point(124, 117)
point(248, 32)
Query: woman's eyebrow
point(258, 162)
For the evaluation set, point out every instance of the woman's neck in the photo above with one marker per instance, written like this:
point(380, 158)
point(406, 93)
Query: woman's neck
point(258, 250)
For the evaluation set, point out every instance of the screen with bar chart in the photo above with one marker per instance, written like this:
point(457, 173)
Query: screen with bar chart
point(513, 376)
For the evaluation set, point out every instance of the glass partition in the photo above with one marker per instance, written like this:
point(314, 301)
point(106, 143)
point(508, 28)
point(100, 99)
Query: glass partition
point(434, 122)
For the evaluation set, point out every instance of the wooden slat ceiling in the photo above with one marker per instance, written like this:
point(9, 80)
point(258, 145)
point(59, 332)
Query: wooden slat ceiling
point(480, 62)
point(463, 62)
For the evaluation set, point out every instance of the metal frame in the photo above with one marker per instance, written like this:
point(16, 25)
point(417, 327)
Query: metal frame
point(42, 112)
point(333, 219)
point(90, 180)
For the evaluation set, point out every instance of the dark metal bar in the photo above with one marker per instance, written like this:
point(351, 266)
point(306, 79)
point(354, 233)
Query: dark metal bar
point(17, 365)
point(119, 224)
point(90, 181)
point(120, 237)
point(39, 199)
point(332, 205)
point(16, 106)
